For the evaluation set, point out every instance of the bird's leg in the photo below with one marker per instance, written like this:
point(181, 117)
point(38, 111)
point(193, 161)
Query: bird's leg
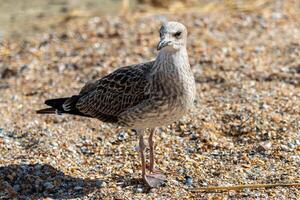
point(142, 150)
point(151, 146)
point(155, 178)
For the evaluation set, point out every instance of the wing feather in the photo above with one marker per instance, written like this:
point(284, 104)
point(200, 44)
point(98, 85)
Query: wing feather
point(124, 88)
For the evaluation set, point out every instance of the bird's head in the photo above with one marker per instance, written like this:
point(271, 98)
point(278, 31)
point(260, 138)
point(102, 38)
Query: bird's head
point(172, 36)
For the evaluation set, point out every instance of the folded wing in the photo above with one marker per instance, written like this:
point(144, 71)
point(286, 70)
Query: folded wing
point(106, 98)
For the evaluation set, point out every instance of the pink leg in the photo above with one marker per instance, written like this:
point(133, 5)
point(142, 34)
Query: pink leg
point(142, 150)
point(151, 146)
point(154, 179)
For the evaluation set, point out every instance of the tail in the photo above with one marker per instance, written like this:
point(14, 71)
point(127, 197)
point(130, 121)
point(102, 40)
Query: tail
point(62, 105)
point(47, 111)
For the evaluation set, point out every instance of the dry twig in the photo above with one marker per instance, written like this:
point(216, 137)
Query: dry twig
point(240, 187)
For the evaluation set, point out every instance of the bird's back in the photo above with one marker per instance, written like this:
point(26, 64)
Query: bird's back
point(116, 92)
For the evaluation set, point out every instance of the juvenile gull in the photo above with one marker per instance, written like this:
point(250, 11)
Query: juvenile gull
point(146, 95)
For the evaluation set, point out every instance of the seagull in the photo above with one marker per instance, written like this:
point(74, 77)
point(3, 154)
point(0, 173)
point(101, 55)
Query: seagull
point(141, 96)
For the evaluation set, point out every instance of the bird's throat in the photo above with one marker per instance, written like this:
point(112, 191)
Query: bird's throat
point(171, 61)
point(170, 72)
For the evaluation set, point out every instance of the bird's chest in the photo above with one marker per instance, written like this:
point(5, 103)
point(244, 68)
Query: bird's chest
point(174, 89)
point(173, 96)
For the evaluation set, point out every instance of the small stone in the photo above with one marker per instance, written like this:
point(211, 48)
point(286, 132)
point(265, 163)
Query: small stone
point(194, 136)
point(188, 181)
point(17, 187)
point(231, 193)
point(122, 136)
point(276, 15)
point(291, 145)
point(264, 146)
point(189, 150)
point(84, 150)
point(246, 191)
point(78, 188)
point(128, 170)
point(23, 67)
point(215, 153)
point(48, 185)
point(54, 144)
point(38, 167)
point(139, 189)
point(104, 184)
point(136, 148)
point(99, 183)
point(1, 132)
point(284, 147)
point(152, 190)
point(264, 106)
point(181, 171)
point(204, 184)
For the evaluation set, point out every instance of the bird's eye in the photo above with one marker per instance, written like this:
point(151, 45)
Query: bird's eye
point(177, 34)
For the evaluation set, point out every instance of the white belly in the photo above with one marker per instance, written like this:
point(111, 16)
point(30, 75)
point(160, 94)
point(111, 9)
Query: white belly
point(151, 115)
point(161, 118)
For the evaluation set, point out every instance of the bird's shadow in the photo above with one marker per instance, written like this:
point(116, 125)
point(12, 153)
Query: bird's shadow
point(42, 180)
point(128, 181)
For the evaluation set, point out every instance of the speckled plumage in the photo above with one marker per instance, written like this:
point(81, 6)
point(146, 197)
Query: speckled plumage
point(144, 95)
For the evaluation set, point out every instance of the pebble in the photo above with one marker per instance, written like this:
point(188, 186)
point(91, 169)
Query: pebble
point(99, 183)
point(215, 153)
point(284, 147)
point(78, 188)
point(23, 67)
point(136, 148)
point(182, 171)
point(38, 167)
point(104, 184)
point(122, 136)
point(204, 184)
point(264, 106)
point(264, 146)
point(291, 146)
point(84, 150)
point(188, 181)
point(139, 190)
point(48, 185)
point(231, 193)
point(54, 144)
point(194, 136)
point(17, 187)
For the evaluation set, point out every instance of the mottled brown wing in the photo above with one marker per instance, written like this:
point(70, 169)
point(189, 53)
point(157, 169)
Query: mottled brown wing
point(108, 97)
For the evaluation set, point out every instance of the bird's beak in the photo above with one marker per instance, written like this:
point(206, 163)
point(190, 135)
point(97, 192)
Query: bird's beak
point(163, 43)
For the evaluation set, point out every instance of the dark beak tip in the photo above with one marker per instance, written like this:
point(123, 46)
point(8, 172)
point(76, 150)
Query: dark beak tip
point(162, 44)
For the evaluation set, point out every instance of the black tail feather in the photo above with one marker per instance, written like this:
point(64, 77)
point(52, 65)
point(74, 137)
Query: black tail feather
point(46, 111)
point(57, 106)
point(56, 103)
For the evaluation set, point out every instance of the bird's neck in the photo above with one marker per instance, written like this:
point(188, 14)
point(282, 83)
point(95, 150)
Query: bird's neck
point(171, 74)
point(169, 61)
